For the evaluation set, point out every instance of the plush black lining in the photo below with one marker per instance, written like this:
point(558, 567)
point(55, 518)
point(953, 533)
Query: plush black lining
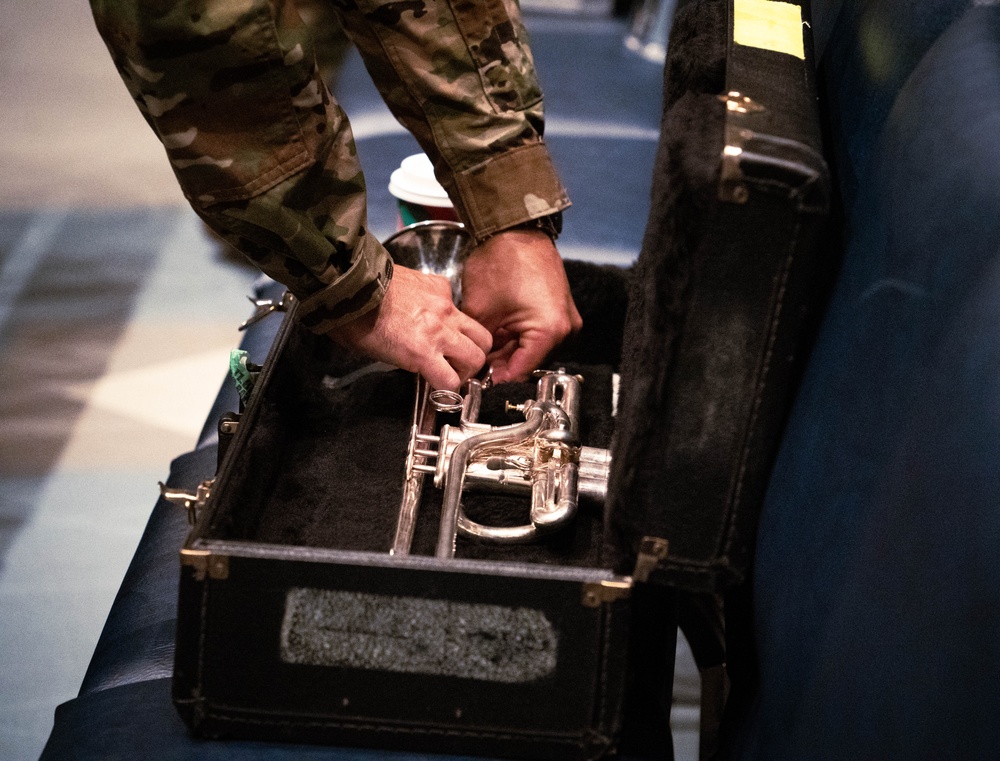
point(679, 236)
point(323, 468)
point(696, 61)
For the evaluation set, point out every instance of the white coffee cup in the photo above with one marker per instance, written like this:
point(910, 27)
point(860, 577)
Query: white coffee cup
point(419, 196)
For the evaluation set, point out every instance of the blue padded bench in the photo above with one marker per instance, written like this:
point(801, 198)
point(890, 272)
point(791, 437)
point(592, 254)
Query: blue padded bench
point(877, 594)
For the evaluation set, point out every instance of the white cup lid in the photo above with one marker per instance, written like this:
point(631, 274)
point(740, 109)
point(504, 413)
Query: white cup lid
point(415, 182)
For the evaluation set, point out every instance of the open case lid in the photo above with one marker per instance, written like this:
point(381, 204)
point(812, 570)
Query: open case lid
point(727, 290)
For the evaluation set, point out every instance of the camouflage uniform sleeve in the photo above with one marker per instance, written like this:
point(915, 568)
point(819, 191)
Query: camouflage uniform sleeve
point(260, 148)
point(459, 75)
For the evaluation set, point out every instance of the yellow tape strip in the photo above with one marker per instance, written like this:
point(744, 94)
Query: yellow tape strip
point(770, 25)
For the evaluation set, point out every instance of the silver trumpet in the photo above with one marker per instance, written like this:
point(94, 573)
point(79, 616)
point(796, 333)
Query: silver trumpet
point(541, 456)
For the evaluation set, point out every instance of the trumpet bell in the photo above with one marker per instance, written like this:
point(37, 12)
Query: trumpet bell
point(435, 247)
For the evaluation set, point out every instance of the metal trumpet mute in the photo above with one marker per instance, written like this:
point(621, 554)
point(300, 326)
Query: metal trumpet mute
point(435, 247)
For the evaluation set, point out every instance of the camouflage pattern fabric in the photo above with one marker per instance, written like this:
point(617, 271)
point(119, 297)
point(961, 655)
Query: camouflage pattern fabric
point(267, 158)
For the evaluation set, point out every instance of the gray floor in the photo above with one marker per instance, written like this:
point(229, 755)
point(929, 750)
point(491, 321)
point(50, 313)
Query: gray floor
point(117, 311)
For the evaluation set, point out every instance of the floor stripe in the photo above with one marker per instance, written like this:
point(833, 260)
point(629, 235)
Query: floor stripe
point(18, 266)
point(376, 124)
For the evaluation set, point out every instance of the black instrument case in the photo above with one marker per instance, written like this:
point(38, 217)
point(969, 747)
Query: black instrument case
point(297, 623)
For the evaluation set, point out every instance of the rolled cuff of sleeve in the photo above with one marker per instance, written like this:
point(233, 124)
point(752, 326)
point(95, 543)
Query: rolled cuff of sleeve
point(356, 292)
point(510, 189)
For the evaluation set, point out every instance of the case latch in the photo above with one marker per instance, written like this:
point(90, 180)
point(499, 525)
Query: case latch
point(740, 103)
point(651, 552)
point(206, 564)
point(732, 187)
point(597, 593)
point(264, 307)
point(190, 502)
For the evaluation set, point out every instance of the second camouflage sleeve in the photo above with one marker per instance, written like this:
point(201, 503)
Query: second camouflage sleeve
point(460, 76)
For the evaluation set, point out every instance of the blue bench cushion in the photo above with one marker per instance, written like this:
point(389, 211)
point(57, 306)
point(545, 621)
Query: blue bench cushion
point(877, 578)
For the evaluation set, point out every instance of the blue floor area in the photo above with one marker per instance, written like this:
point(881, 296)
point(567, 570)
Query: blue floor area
point(107, 307)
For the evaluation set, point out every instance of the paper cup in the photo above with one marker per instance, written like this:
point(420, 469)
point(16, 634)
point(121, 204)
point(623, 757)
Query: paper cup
point(419, 196)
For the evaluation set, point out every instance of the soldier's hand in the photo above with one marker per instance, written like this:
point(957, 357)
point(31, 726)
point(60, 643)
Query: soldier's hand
point(515, 284)
point(418, 328)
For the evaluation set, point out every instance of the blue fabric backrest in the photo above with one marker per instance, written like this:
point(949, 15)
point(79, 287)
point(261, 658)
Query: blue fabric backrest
point(877, 593)
point(868, 50)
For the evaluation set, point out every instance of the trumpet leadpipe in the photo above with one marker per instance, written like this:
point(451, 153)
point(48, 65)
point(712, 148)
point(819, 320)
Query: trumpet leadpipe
point(440, 248)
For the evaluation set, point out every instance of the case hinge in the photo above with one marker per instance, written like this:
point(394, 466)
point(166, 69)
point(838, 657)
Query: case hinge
point(206, 564)
point(652, 551)
point(190, 502)
point(597, 593)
